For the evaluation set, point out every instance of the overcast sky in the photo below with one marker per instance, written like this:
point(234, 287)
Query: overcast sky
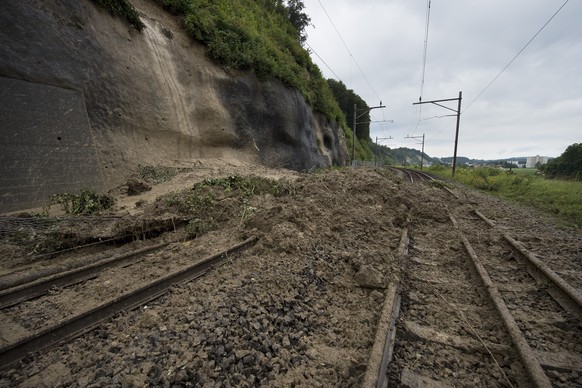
point(534, 107)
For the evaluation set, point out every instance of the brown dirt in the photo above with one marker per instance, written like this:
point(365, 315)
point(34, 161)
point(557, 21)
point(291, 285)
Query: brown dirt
point(291, 310)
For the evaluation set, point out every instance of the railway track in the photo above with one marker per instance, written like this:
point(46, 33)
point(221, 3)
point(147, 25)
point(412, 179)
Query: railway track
point(483, 309)
point(30, 287)
point(37, 337)
point(413, 175)
point(545, 309)
point(444, 320)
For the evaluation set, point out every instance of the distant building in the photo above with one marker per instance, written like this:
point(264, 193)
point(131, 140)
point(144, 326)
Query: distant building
point(533, 160)
point(518, 163)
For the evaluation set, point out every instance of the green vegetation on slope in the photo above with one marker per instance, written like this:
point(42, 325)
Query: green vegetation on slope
point(86, 202)
point(346, 98)
point(264, 36)
point(261, 36)
point(557, 197)
point(122, 8)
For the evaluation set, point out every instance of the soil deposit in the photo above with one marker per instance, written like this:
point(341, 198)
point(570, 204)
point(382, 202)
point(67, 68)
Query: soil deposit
point(299, 308)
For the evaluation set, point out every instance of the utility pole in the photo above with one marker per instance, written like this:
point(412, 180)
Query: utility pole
point(356, 117)
point(457, 113)
point(421, 152)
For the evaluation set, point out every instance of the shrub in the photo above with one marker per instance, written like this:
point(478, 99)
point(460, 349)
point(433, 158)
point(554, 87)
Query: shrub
point(87, 202)
point(124, 9)
point(251, 35)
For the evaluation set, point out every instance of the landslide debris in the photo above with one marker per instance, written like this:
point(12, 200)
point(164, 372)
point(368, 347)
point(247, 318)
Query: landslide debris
point(298, 308)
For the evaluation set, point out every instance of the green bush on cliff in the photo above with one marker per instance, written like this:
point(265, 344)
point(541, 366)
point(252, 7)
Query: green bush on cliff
point(122, 8)
point(260, 35)
point(256, 35)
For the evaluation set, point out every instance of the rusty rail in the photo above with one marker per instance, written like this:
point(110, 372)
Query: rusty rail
point(532, 366)
point(77, 325)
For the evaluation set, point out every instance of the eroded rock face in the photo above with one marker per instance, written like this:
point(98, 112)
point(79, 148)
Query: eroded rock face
point(153, 97)
point(280, 124)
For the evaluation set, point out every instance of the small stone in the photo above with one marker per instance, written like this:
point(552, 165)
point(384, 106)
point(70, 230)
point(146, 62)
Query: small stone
point(256, 325)
point(286, 342)
point(182, 375)
point(376, 296)
point(227, 362)
point(239, 353)
point(219, 351)
point(196, 341)
point(369, 277)
point(237, 378)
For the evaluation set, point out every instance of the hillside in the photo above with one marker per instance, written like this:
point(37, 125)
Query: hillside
point(89, 98)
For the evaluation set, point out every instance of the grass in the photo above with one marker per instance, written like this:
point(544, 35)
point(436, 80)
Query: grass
point(525, 171)
point(557, 197)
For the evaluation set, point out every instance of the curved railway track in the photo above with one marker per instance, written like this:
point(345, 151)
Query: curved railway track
point(37, 337)
point(484, 307)
point(413, 175)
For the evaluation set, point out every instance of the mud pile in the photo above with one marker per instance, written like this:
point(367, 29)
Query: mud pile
point(300, 307)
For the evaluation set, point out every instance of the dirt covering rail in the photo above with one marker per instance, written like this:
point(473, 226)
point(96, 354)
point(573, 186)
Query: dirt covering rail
point(74, 326)
point(442, 313)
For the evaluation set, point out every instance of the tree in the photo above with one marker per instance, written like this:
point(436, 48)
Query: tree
point(346, 99)
point(568, 165)
point(298, 18)
point(292, 11)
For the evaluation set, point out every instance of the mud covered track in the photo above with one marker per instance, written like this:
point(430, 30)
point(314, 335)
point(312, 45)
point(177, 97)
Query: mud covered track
point(449, 299)
point(314, 301)
point(79, 324)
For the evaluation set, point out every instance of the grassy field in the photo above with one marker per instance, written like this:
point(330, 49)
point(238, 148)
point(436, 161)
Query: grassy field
point(558, 197)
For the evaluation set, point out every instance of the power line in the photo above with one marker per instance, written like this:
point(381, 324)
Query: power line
point(346, 46)
point(321, 59)
point(516, 55)
point(425, 49)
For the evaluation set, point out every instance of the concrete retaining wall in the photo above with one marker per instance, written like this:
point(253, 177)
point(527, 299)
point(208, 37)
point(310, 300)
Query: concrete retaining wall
point(46, 146)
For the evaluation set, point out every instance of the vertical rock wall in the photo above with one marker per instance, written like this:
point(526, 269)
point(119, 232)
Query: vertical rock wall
point(150, 97)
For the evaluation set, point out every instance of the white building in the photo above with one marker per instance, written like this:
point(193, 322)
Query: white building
point(533, 160)
point(518, 163)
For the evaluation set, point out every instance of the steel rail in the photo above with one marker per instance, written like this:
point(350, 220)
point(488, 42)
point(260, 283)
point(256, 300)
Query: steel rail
point(405, 171)
point(532, 366)
point(21, 293)
point(574, 297)
point(79, 324)
point(383, 347)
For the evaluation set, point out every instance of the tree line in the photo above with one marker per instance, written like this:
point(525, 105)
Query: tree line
point(566, 166)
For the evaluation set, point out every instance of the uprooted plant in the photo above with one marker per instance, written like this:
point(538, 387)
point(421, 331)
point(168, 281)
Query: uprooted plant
point(211, 201)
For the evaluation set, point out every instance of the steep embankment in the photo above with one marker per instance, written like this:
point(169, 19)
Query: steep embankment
point(78, 82)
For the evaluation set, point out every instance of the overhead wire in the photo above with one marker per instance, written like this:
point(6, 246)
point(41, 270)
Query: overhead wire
point(424, 56)
point(321, 59)
point(450, 122)
point(348, 50)
point(425, 49)
point(515, 57)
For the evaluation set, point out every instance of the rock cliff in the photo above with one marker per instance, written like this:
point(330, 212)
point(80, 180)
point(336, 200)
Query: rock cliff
point(86, 98)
